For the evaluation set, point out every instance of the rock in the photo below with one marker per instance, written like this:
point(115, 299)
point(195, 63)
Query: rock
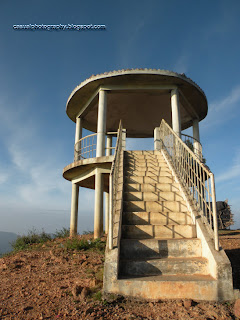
point(236, 308)
point(84, 293)
point(93, 282)
point(187, 303)
point(27, 308)
point(76, 290)
point(151, 305)
point(89, 310)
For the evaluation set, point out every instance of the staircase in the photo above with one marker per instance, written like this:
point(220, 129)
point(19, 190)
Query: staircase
point(160, 256)
point(158, 235)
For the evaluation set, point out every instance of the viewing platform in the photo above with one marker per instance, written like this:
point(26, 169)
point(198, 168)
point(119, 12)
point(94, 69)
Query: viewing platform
point(160, 204)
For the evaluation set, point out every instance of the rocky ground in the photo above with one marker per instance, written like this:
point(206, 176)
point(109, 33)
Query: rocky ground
point(52, 282)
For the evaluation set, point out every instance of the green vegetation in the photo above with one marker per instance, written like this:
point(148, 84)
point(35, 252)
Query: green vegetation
point(63, 233)
point(83, 244)
point(88, 232)
point(39, 238)
point(97, 296)
point(99, 274)
point(33, 237)
point(228, 232)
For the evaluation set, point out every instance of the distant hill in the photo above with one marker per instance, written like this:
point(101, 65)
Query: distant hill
point(5, 239)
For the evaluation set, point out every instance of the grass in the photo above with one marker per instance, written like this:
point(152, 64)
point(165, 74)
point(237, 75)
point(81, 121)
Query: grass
point(228, 232)
point(63, 233)
point(34, 238)
point(83, 244)
point(97, 296)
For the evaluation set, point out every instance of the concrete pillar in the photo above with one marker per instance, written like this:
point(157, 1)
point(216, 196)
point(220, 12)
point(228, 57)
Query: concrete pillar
point(176, 117)
point(101, 125)
point(78, 133)
point(196, 144)
point(157, 145)
point(106, 212)
point(98, 210)
point(109, 146)
point(78, 136)
point(74, 210)
point(75, 187)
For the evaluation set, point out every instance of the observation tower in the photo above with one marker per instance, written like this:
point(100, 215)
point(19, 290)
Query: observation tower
point(160, 205)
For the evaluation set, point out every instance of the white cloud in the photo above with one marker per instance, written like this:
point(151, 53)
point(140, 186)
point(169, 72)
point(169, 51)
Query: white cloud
point(222, 109)
point(224, 22)
point(181, 65)
point(34, 173)
point(3, 177)
point(233, 172)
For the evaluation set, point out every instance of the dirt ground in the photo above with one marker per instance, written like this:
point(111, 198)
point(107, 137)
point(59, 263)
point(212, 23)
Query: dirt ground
point(50, 282)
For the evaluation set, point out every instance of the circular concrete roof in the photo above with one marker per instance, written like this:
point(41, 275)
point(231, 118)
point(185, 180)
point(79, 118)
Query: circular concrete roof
point(136, 100)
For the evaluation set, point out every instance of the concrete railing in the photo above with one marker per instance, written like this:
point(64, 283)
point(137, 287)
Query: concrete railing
point(195, 176)
point(86, 147)
point(115, 201)
point(193, 144)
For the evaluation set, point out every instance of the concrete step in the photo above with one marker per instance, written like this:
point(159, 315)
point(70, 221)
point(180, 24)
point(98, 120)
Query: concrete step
point(144, 157)
point(153, 248)
point(158, 231)
point(133, 167)
point(196, 287)
point(166, 266)
point(137, 152)
point(143, 161)
point(155, 206)
point(151, 187)
point(153, 196)
point(152, 179)
point(149, 173)
point(156, 218)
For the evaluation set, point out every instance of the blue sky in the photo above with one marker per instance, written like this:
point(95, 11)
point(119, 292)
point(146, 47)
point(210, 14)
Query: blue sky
point(39, 69)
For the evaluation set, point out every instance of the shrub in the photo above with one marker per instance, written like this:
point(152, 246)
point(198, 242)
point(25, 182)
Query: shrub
point(63, 233)
point(83, 244)
point(97, 296)
point(87, 232)
point(25, 241)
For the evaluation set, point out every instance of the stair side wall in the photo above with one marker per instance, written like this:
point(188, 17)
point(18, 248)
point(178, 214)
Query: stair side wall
point(219, 264)
point(111, 264)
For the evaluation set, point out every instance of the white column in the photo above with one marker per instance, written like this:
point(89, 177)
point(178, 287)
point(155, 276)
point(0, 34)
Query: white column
point(98, 210)
point(196, 144)
point(176, 117)
point(101, 125)
point(74, 210)
point(106, 212)
point(78, 133)
point(109, 146)
point(78, 136)
point(75, 187)
point(101, 133)
point(157, 145)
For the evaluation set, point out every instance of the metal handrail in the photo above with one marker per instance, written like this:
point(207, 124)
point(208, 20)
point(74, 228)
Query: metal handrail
point(194, 144)
point(113, 183)
point(194, 175)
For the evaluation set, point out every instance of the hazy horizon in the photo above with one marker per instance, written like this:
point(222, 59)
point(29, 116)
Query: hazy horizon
point(39, 70)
